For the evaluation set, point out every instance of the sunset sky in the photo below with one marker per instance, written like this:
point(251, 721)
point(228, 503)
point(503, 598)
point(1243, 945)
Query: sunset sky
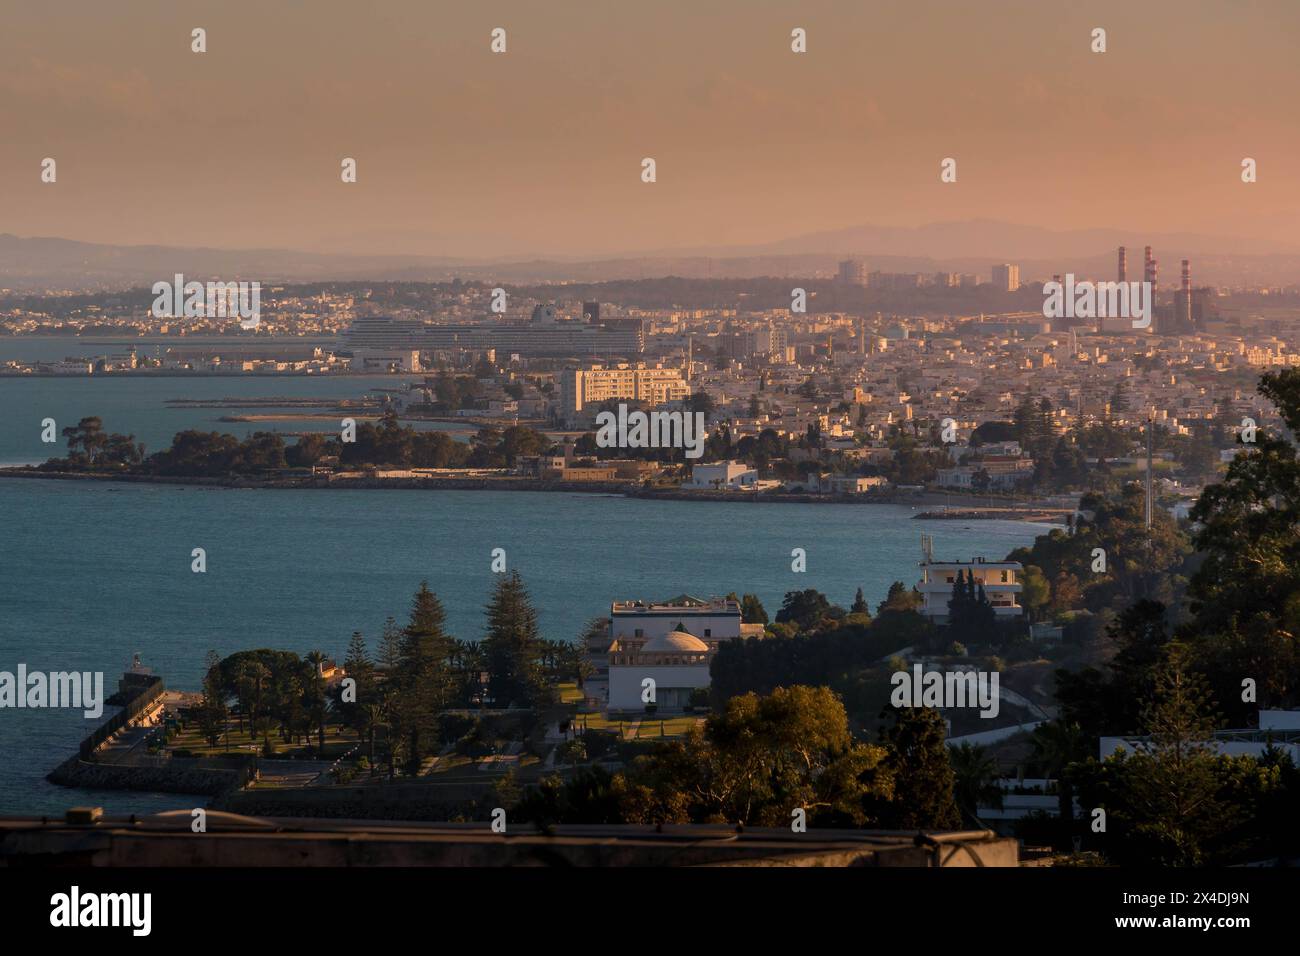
point(538, 151)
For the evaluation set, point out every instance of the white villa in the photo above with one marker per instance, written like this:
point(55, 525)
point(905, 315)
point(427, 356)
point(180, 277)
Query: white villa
point(1001, 580)
point(670, 643)
point(723, 475)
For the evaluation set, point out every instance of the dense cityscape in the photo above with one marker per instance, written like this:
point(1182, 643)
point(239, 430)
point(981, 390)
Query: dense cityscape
point(838, 442)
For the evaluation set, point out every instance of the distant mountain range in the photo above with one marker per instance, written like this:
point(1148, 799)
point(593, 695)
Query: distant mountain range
point(33, 264)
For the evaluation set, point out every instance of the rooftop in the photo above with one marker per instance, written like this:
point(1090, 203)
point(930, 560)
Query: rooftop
point(682, 604)
point(166, 840)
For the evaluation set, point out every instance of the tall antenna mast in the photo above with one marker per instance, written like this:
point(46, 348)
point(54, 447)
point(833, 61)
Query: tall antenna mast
point(1150, 428)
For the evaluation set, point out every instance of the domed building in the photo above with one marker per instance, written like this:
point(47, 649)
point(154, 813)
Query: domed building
point(670, 643)
point(677, 663)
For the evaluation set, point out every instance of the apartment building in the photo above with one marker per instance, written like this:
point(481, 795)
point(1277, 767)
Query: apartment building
point(1000, 579)
point(651, 384)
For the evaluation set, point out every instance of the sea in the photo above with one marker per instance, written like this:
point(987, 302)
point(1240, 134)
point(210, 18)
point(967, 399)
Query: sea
point(92, 573)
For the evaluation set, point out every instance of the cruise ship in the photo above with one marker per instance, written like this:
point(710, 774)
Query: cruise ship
point(544, 335)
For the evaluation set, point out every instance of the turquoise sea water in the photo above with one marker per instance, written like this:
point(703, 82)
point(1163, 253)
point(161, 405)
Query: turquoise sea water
point(90, 573)
point(138, 405)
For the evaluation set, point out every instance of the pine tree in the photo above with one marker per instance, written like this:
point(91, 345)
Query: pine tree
point(424, 675)
point(360, 714)
point(923, 776)
point(213, 713)
point(860, 605)
point(512, 647)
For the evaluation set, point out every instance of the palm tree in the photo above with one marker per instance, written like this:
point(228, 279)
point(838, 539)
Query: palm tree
point(976, 776)
point(1057, 744)
point(317, 702)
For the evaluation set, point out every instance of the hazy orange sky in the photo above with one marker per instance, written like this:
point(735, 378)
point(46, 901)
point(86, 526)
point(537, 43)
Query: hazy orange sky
point(461, 151)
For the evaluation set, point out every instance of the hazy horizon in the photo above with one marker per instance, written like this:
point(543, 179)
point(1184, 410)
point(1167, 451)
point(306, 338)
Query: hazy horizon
point(466, 153)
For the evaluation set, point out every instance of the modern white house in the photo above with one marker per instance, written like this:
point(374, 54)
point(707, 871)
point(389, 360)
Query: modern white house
point(1277, 728)
point(1001, 581)
point(723, 475)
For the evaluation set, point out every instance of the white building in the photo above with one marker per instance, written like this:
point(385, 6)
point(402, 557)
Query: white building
point(1277, 728)
point(1001, 581)
point(676, 664)
point(1001, 475)
point(723, 474)
point(670, 643)
point(639, 382)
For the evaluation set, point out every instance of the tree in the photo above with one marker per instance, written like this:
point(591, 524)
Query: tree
point(1163, 800)
point(1035, 592)
point(751, 610)
point(1056, 745)
point(761, 757)
point(805, 609)
point(362, 715)
point(860, 605)
point(213, 712)
point(971, 617)
point(1246, 594)
point(88, 435)
point(316, 701)
point(975, 779)
point(923, 777)
point(899, 598)
point(1110, 702)
point(423, 677)
point(700, 402)
point(512, 645)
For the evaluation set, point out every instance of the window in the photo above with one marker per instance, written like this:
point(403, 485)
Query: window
point(638, 633)
point(708, 632)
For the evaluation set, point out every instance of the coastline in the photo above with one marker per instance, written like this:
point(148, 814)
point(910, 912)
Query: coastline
point(938, 506)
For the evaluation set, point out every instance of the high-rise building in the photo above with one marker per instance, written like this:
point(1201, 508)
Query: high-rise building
point(1183, 319)
point(591, 313)
point(853, 272)
point(1123, 264)
point(1006, 277)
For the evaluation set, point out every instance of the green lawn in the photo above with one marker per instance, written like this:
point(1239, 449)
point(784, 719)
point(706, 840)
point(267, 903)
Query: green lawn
point(570, 693)
point(673, 726)
point(237, 741)
point(666, 726)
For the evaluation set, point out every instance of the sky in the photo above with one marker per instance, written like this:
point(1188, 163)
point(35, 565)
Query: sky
point(538, 151)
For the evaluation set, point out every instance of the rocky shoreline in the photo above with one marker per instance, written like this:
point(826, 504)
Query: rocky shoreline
point(204, 781)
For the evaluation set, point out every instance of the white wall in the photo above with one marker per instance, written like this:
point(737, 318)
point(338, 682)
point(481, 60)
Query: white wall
point(625, 681)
